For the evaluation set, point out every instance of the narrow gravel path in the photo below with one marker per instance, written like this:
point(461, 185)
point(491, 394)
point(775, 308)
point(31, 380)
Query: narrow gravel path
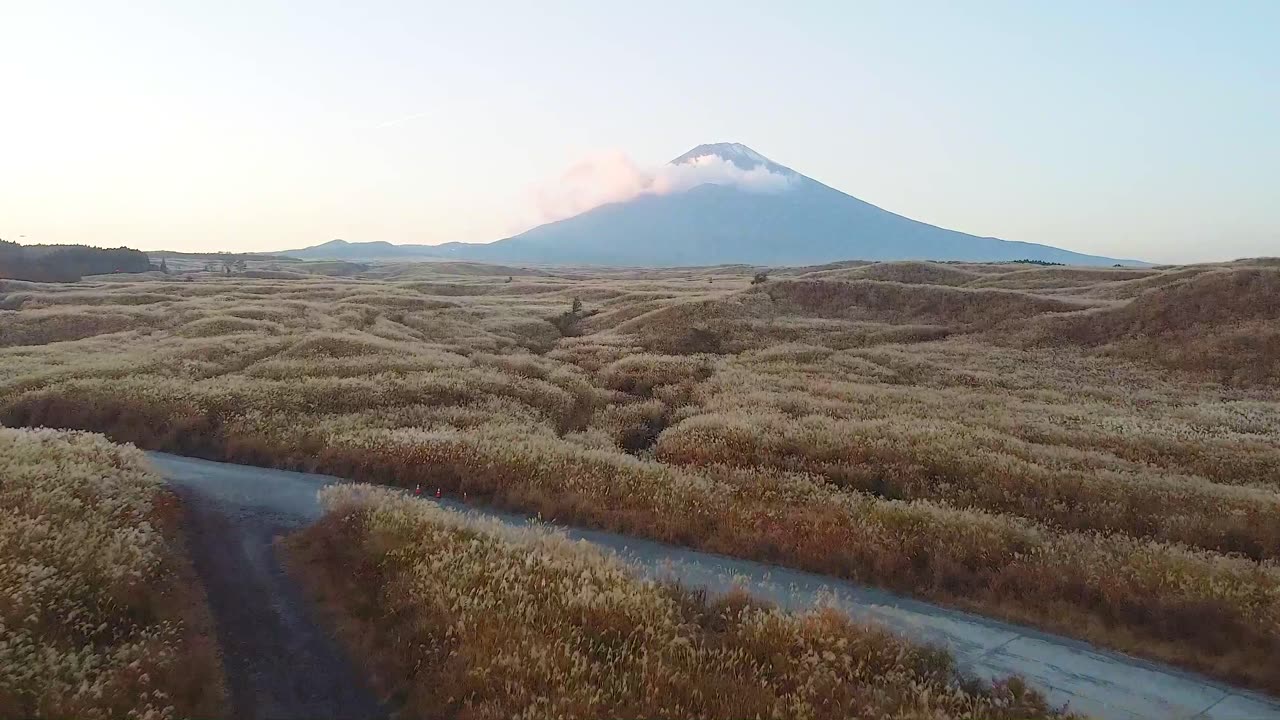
point(280, 665)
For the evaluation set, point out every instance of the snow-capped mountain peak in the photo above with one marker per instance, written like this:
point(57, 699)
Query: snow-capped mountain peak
point(736, 153)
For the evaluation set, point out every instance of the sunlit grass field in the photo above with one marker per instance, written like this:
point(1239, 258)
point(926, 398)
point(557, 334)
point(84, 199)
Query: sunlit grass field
point(99, 614)
point(1094, 451)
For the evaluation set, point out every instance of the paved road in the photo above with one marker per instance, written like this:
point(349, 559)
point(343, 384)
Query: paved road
point(257, 504)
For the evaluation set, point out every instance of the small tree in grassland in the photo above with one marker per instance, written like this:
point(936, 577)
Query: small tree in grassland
point(567, 322)
point(760, 277)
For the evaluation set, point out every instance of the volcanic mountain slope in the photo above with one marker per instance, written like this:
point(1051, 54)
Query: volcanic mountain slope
point(792, 220)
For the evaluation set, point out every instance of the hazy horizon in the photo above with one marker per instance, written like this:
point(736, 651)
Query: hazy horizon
point(1144, 130)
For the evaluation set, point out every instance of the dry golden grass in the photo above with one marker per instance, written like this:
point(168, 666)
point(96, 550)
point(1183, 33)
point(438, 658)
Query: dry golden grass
point(1093, 451)
point(1225, 323)
point(466, 618)
point(98, 615)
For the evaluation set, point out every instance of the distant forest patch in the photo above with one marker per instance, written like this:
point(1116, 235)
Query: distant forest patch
point(1043, 263)
point(66, 263)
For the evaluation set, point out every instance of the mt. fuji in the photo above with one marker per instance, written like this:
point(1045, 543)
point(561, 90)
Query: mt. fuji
point(726, 203)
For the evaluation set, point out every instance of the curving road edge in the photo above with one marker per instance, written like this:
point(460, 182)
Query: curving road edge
point(1089, 680)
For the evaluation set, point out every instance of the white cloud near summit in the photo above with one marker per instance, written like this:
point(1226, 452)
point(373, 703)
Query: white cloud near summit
point(613, 176)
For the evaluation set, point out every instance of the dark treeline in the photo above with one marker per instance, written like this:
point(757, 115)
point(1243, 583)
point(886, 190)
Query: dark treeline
point(66, 263)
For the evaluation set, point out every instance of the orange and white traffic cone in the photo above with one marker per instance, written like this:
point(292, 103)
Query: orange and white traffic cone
point(438, 495)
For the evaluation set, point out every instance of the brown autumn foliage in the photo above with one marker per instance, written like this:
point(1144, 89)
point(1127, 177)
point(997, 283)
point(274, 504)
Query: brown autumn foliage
point(1093, 451)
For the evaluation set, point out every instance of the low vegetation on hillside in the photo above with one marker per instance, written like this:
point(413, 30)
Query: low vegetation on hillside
point(98, 614)
point(1095, 451)
point(463, 617)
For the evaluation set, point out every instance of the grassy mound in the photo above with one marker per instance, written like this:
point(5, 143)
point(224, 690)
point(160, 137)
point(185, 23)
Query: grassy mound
point(895, 302)
point(1224, 323)
point(42, 327)
point(910, 273)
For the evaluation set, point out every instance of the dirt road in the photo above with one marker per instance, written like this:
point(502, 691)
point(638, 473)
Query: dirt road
point(281, 665)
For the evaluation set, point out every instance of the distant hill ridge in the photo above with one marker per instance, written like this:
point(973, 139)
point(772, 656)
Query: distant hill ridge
point(794, 221)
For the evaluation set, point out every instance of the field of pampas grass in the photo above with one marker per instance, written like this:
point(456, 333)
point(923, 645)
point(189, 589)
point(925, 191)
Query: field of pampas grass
point(98, 615)
point(462, 617)
point(1092, 451)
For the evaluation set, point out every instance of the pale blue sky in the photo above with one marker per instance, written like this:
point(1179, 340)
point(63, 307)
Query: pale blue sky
point(1132, 129)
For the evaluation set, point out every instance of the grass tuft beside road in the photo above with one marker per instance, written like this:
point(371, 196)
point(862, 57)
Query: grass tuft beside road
point(468, 618)
point(100, 616)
